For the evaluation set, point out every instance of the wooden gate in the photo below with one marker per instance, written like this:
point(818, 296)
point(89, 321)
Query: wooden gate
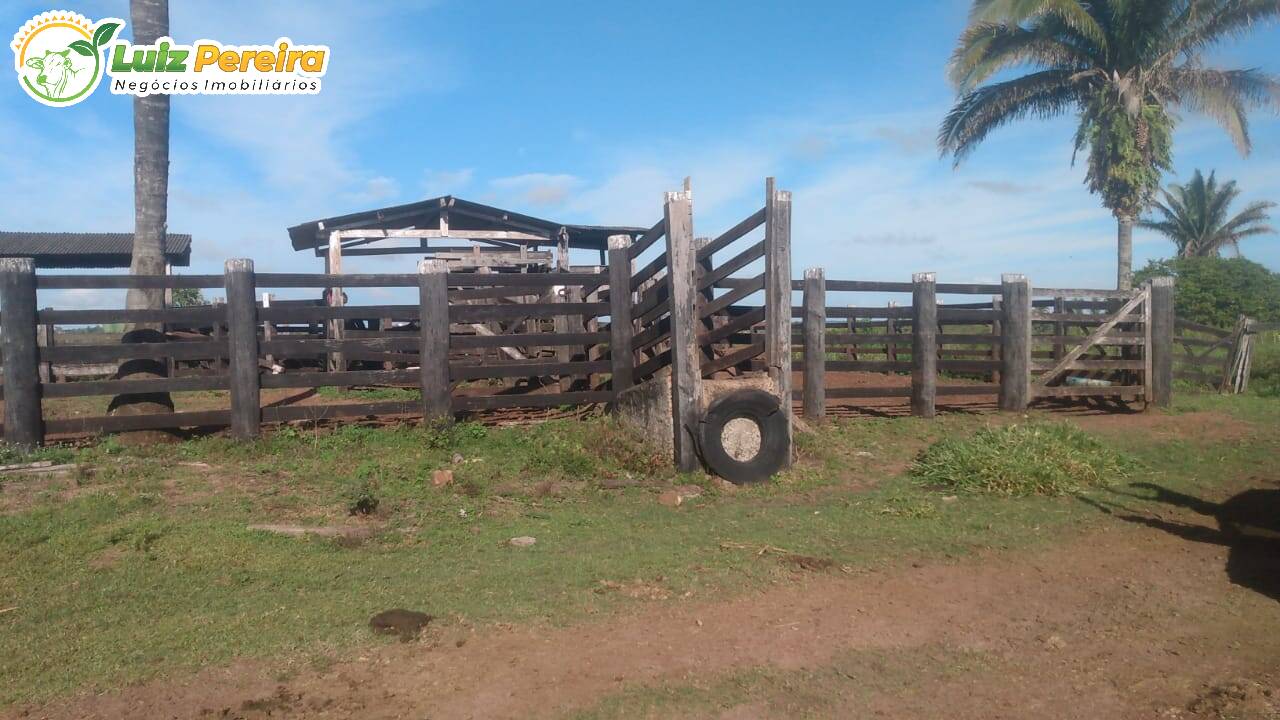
point(1082, 365)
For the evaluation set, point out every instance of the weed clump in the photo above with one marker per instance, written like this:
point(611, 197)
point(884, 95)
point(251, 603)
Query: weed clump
point(1036, 458)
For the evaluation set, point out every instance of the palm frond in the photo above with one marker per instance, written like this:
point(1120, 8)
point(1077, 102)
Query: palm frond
point(1205, 23)
point(1044, 94)
point(987, 48)
point(1226, 96)
point(1075, 13)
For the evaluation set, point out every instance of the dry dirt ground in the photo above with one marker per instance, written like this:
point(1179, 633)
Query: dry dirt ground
point(1150, 619)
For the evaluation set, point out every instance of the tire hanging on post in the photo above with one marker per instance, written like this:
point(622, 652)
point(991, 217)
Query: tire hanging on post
point(756, 406)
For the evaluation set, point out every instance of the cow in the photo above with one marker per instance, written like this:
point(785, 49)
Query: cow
point(55, 71)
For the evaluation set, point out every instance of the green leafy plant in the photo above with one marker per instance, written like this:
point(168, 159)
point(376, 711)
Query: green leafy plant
point(1036, 458)
point(1217, 291)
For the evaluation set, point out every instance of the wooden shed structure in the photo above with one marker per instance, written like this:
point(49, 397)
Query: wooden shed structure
point(501, 240)
point(81, 250)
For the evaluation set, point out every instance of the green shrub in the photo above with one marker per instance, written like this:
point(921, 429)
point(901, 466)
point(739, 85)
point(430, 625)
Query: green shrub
point(1217, 291)
point(1036, 458)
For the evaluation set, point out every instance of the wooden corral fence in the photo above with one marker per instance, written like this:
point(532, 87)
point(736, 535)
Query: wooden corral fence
point(472, 341)
point(1220, 358)
point(461, 356)
point(1021, 345)
point(701, 308)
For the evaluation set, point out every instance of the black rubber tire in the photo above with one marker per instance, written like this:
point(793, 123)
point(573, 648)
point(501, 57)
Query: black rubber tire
point(760, 407)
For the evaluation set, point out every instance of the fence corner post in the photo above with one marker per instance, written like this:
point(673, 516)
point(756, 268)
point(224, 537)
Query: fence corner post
point(815, 344)
point(924, 344)
point(1015, 342)
point(22, 422)
point(242, 351)
point(621, 358)
point(433, 340)
point(1162, 330)
point(777, 297)
point(686, 367)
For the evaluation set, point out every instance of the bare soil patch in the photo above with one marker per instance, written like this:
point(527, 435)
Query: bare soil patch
point(1128, 622)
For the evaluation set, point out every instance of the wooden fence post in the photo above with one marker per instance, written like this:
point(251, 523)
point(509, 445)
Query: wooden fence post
point(1162, 330)
point(433, 340)
point(777, 290)
point(815, 344)
point(22, 424)
point(1015, 343)
point(242, 350)
point(686, 368)
point(924, 344)
point(890, 332)
point(47, 338)
point(622, 360)
point(997, 329)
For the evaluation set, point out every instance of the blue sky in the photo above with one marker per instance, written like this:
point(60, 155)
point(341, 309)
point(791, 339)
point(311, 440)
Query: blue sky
point(587, 112)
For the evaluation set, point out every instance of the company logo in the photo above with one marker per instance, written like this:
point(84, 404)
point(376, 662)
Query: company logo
point(60, 56)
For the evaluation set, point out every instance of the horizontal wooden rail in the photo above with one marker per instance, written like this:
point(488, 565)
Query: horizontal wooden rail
point(83, 388)
point(125, 423)
point(1132, 391)
point(316, 413)
point(484, 313)
point(1093, 365)
point(345, 378)
point(466, 342)
point(459, 372)
point(320, 313)
point(124, 282)
point(467, 403)
point(326, 345)
point(133, 351)
point(865, 366)
point(202, 314)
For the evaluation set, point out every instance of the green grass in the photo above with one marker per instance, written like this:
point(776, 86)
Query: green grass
point(1035, 458)
point(143, 566)
point(1264, 377)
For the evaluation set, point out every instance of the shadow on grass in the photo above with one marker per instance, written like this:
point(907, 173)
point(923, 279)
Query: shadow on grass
point(1248, 525)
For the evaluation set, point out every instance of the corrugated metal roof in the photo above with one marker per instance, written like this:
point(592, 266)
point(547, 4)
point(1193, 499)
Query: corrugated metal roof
point(466, 215)
point(86, 250)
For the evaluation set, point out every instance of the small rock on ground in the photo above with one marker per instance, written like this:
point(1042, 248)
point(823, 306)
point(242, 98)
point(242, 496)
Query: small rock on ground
point(440, 478)
point(522, 541)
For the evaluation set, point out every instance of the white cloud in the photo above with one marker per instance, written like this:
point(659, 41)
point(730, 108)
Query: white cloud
point(446, 182)
point(538, 189)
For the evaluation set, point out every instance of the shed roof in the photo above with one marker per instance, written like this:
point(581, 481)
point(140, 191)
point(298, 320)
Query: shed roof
point(86, 250)
point(463, 215)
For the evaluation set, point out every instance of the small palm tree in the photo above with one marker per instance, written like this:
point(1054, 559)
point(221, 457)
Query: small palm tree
point(1123, 67)
point(1194, 217)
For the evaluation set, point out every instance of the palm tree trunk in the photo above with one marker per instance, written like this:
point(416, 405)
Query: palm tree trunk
point(150, 19)
point(1124, 252)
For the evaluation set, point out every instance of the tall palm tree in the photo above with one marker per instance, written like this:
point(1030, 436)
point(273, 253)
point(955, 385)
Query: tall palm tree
point(1124, 67)
point(1194, 217)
